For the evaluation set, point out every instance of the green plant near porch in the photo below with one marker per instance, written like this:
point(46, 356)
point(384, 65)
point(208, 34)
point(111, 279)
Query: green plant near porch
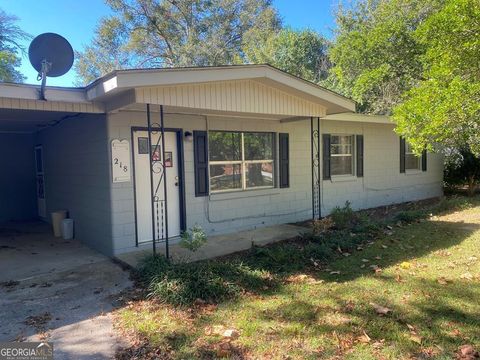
point(194, 238)
point(309, 300)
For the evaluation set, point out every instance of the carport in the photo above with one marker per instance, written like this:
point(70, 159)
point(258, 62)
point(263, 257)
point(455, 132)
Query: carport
point(25, 125)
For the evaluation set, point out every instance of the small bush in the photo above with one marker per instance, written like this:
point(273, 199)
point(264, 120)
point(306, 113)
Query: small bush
point(211, 281)
point(452, 203)
point(343, 217)
point(193, 239)
point(410, 216)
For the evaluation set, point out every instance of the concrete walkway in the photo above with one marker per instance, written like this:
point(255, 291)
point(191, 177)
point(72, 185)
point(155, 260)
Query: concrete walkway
point(221, 245)
point(58, 291)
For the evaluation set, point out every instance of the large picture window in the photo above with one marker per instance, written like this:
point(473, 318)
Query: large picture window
point(342, 157)
point(240, 160)
point(412, 161)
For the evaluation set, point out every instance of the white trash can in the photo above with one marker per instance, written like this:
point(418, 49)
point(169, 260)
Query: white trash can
point(57, 218)
point(67, 229)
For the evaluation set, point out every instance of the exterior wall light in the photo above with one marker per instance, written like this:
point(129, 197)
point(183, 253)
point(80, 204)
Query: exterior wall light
point(188, 136)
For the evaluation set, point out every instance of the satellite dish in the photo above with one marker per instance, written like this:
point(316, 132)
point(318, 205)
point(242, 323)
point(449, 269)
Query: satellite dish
point(51, 55)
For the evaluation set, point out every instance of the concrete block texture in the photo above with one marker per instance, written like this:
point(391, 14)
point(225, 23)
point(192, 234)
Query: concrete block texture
point(225, 213)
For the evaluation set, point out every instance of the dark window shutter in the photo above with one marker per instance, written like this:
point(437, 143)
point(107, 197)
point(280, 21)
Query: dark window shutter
point(284, 167)
point(359, 143)
point(424, 160)
point(326, 157)
point(200, 156)
point(402, 154)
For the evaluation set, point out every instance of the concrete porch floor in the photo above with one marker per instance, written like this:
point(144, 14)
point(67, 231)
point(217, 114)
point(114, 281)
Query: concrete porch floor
point(220, 245)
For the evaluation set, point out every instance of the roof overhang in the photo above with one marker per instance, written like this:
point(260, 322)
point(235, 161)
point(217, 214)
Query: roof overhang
point(123, 81)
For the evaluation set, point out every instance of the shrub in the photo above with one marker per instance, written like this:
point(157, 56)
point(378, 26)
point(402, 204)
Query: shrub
point(343, 217)
point(452, 203)
point(193, 239)
point(410, 216)
point(211, 281)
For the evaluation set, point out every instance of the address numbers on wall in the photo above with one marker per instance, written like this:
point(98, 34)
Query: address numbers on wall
point(120, 161)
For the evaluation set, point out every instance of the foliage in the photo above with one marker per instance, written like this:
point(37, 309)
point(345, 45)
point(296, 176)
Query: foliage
point(410, 216)
point(463, 168)
point(302, 53)
point(165, 33)
point(323, 225)
point(425, 274)
point(10, 48)
point(376, 54)
point(209, 281)
point(193, 239)
point(343, 217)
point(445, 106)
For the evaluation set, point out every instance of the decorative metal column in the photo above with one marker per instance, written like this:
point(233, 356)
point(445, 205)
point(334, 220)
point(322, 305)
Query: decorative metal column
point(152, 191)
point(316, 179)
point(164, 176)
point(158, 183)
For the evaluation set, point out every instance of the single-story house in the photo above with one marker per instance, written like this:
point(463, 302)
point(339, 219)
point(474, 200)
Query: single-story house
point(242, 147)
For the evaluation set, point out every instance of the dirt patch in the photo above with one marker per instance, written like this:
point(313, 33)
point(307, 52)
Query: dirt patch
point(38, 321)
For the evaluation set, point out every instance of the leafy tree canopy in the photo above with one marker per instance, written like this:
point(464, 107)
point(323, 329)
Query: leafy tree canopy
point(445, 106)
point(167, 33)
point(10, 48)
point(376, 54)
point(302, 53)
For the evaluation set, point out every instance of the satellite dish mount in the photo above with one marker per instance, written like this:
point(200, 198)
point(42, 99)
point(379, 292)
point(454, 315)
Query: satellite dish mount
point(51, 55)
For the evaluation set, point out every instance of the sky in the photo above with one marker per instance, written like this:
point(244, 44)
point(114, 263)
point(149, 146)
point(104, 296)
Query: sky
point(75, 20)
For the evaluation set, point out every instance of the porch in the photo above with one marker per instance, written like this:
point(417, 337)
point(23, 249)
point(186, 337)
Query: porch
point(220, 245)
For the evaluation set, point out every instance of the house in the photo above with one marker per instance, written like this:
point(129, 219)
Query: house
point(243, 147)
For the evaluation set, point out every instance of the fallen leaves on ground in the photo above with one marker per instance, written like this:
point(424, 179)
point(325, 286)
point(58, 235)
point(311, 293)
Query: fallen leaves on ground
point(381, 310)
point(467, 352)
point(442, 281)
point(466, 276)
point(38, 321)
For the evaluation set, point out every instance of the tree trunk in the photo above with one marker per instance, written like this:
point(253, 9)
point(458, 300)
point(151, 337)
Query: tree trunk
point(471, 185)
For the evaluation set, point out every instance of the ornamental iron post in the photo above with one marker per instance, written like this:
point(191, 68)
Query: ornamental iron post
point(315, 157)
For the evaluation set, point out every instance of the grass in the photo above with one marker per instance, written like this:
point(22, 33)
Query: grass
point(316, 298)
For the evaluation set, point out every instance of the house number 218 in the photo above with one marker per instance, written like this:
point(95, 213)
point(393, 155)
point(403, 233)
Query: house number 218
point(119, 163)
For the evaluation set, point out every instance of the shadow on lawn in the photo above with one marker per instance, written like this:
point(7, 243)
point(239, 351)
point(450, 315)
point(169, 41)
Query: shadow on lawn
point(443, 315)
point(265, 270)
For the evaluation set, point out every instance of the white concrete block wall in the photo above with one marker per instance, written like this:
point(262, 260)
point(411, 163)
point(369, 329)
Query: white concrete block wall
point(214, 213)
point(382, 183)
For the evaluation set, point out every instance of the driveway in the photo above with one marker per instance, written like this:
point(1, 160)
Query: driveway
point(59, 291)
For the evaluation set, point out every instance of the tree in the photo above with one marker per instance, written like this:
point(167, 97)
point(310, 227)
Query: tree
point(445, 106)
point(302, 53)
point(10, 48)
point(462, 167)
point(168, 33)
point(376, 55)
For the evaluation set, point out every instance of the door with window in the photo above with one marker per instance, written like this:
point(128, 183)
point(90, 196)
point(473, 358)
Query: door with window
point(40, 182)
point(143, 200)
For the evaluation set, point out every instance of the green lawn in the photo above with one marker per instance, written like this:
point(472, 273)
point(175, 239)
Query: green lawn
point(424, 275)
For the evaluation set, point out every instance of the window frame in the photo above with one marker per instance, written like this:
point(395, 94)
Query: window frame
point(409, 152)
point(352, 155)
point(243, 163)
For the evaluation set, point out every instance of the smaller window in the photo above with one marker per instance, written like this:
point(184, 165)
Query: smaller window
point(412, 161)
point(341, 148)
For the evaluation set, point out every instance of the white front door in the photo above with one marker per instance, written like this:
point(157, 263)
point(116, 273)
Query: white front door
point(40, 180)
point(143, 199)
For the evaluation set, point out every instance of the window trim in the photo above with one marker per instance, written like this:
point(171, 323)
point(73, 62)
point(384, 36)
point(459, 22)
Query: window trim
point(352, 155)
point(243, 163)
